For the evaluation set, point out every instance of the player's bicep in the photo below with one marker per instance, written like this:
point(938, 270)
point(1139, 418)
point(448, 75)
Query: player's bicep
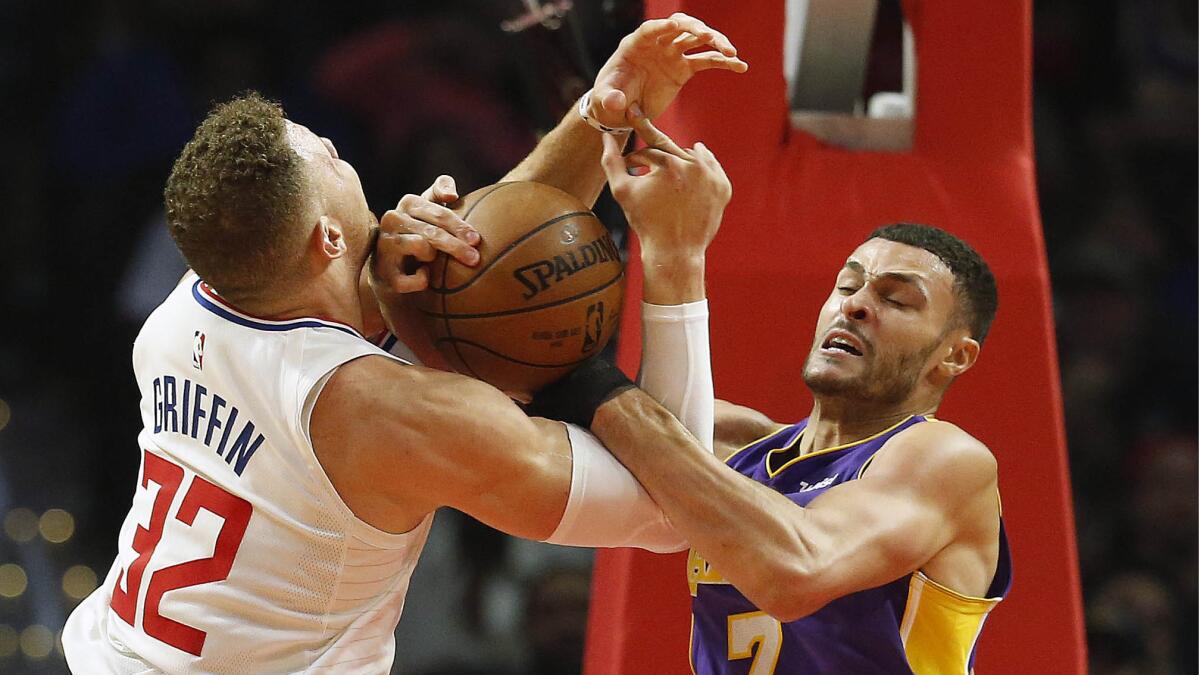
point(415, 439)
point(865, 533)
point(915, 498)
point(485, 457)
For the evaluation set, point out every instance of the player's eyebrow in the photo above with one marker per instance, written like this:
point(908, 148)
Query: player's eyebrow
point(915, 280)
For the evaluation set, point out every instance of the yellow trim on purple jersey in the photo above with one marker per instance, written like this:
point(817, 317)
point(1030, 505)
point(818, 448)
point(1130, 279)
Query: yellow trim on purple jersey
point(822, 451)
point(754, 442)
point(940, 626)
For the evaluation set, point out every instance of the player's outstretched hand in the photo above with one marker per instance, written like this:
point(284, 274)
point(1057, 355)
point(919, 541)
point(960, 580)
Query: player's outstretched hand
point(673, 197)
point(653, 63)
point(412, 234)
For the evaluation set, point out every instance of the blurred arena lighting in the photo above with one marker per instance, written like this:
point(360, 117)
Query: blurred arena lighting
point(5, 414)
point(21, 525)
point(549, 15)
point(56, 526)
point(78, 581)
point(9, 641)
point(12, 580)
point(37, 642)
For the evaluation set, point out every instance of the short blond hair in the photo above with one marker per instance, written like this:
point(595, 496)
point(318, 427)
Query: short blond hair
point(233, 195)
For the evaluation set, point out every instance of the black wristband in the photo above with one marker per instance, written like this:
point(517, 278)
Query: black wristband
point(576, 396)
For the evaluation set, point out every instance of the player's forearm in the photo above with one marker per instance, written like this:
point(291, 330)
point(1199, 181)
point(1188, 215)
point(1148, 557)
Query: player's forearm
point(750, 533)
point(567, 158)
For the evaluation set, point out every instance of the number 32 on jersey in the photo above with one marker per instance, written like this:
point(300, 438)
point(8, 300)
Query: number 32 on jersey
point(201, 494)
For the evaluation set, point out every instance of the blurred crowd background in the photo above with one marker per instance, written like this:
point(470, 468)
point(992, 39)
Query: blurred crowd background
point(97, 98)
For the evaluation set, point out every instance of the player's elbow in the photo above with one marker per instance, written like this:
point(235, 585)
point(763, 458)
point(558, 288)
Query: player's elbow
point(792, 605)
point(793, 592)
point(794, 608)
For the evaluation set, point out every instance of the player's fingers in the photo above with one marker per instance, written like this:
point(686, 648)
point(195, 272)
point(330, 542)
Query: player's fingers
point(439, 184)
point(447, 220)
point(686, 42)
point(711, 60)
point(391, 250)
point(615, 168)
point(436, 214)
point(710, 161)
point(398, 261)
point(410, 283)
point(639, 164)
point(705, 37)
point(619, 169)
point(654, 138)
point(442, 240)
point(706, 156)
point(416, 246)
point(648, 157)
point(701, 152)
point(612, 100)
point(443, 190)
point(656, 28)
point(697, 27)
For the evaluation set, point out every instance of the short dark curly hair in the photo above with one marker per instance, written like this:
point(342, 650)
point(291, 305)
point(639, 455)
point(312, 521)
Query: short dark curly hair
point(973, 280)
point(234, 194)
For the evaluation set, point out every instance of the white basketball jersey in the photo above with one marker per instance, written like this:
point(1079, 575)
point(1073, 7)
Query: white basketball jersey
point(238, 556)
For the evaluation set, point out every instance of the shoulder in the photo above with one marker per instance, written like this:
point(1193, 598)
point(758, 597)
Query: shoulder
point(370, 369)
point(941, 454)
point(376, 385)
point(386, 398)
point(737, 427)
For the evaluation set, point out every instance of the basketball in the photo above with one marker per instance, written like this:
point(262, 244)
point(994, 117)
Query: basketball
point(545, 296)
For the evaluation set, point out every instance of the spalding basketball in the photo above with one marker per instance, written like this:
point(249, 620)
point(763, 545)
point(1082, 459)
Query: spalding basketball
point(545, 296)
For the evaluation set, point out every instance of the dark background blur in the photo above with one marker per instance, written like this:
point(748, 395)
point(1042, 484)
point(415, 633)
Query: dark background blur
point(96, 99)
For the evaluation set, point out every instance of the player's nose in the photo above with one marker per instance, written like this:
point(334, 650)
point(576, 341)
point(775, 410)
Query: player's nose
point(856, 306)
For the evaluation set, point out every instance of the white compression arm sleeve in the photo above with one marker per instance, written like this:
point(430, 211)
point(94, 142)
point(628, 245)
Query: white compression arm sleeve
point(676, 368)
point(607, 507)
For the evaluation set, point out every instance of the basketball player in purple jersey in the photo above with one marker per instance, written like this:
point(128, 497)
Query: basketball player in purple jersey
point(866, 538)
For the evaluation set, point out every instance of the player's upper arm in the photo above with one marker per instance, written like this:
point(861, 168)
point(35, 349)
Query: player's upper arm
point(926, 487)
point(399, 441)
point(736, 426)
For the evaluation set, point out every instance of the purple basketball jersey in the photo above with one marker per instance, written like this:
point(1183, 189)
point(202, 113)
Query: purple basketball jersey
point(886, 629)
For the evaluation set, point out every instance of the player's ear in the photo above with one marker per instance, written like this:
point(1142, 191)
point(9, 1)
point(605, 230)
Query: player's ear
point(328, 238)
point(959, 355)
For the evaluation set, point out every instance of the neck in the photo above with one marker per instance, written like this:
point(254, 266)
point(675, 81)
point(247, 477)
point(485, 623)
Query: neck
point(835, 422)
point(325, 298)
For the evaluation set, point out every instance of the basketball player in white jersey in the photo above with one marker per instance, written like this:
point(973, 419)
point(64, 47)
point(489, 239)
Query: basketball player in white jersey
point(290, 469)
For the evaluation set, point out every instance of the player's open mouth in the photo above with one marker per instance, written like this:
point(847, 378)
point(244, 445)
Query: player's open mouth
point(841, 341)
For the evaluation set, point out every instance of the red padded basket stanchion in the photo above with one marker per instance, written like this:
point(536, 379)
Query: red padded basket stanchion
point(799, 208)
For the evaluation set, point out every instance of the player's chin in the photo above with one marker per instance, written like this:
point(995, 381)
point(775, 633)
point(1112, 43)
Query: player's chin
point(830, 375)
